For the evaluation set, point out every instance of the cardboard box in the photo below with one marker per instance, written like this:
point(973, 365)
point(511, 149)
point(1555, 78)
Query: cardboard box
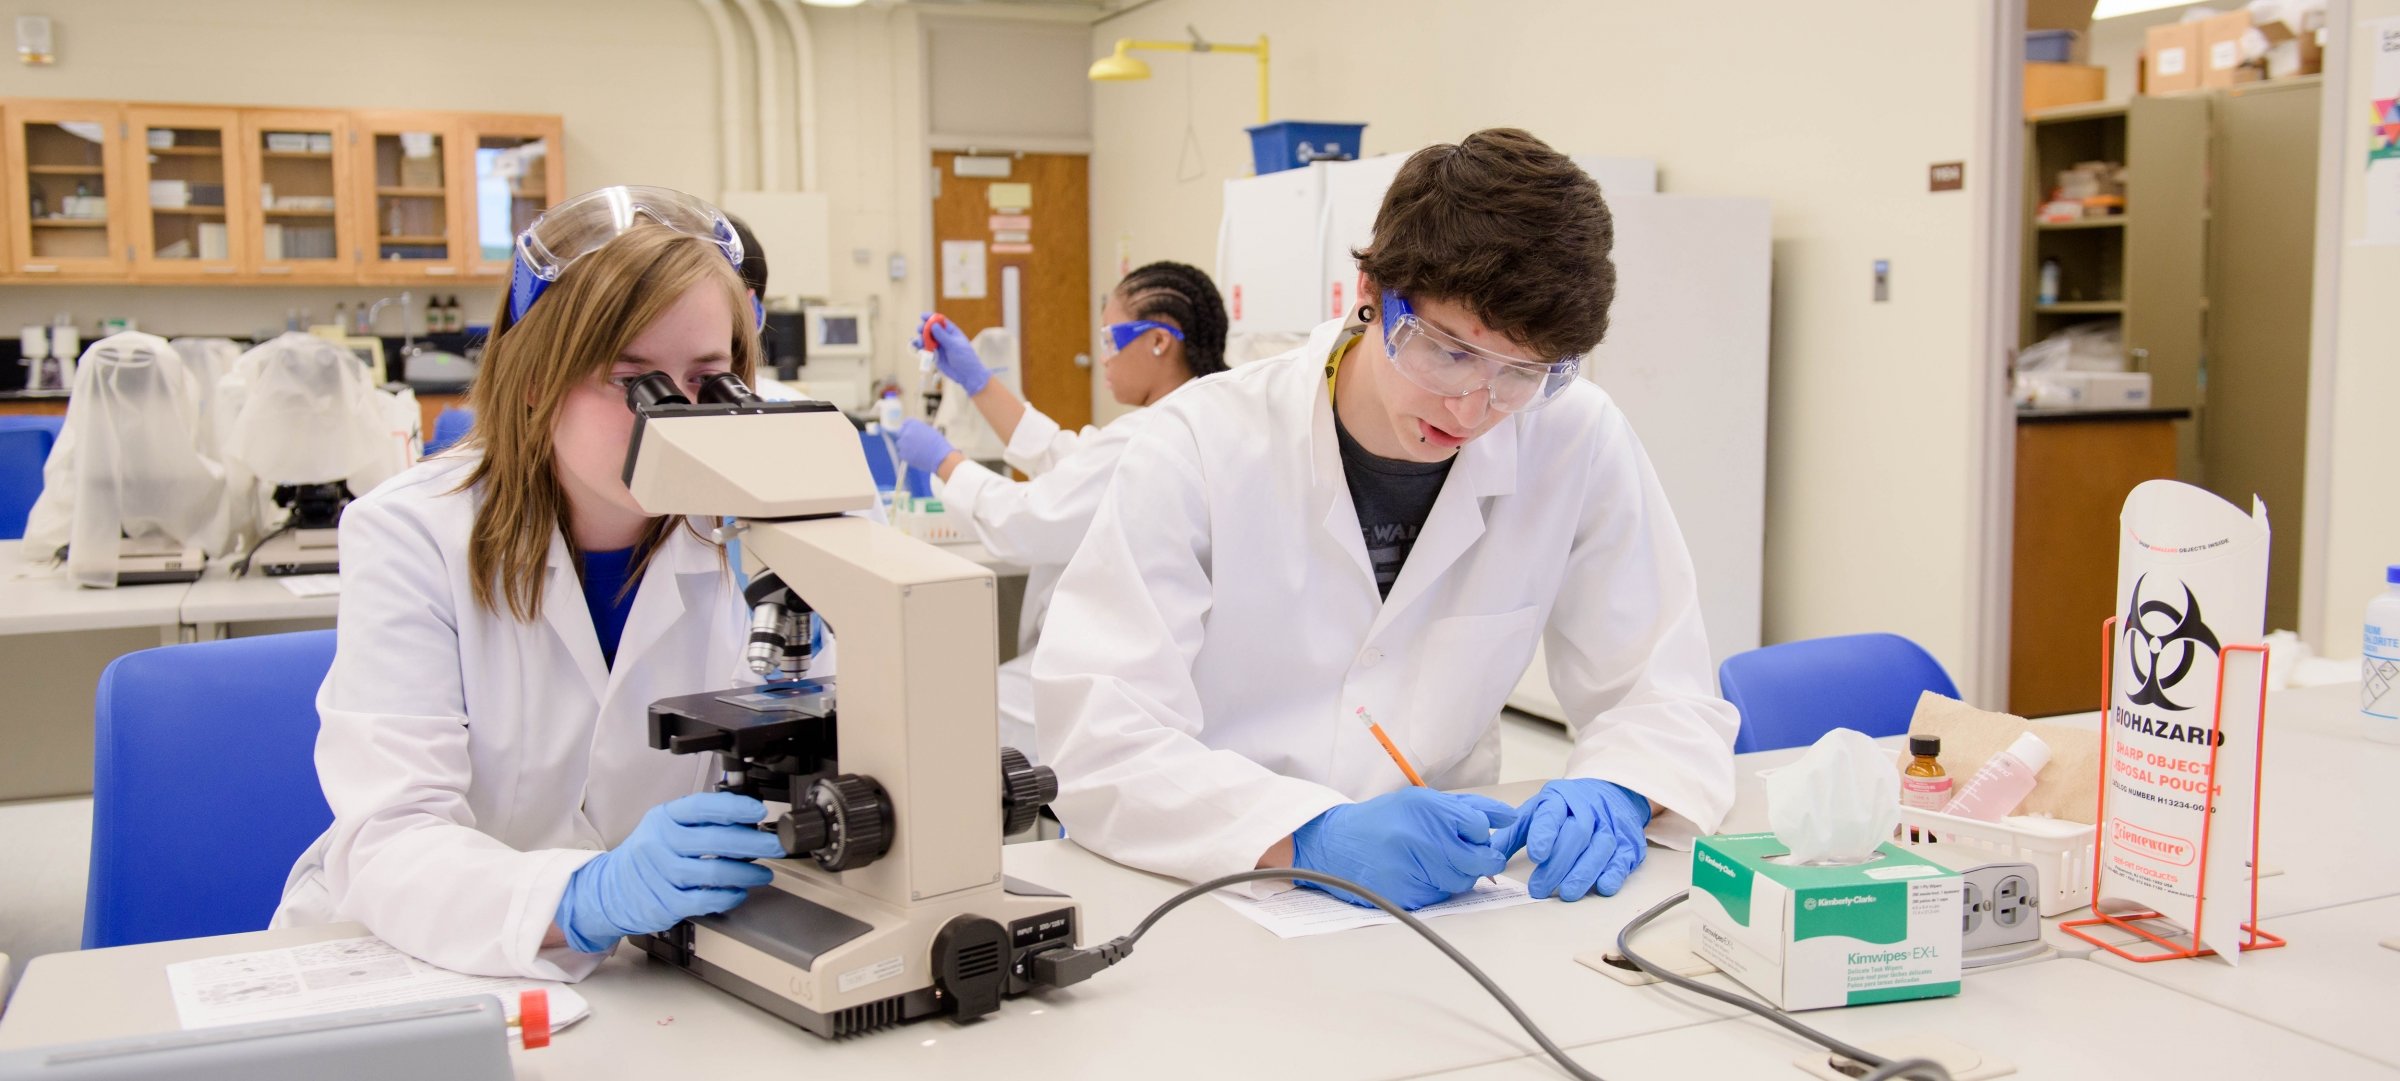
point(2221, 50)
point(2171, 59)
point(2048, 86)
point(1806, 937)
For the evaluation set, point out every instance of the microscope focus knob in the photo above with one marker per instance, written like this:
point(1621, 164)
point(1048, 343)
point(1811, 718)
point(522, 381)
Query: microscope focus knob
point(858, 821)
point(803, 831)
point(1024, 788)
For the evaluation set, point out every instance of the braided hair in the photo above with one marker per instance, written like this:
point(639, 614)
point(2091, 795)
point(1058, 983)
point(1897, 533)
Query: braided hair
point(1183, 295)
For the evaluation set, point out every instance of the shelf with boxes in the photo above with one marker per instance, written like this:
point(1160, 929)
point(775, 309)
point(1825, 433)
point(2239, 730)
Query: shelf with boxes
point(130, 192)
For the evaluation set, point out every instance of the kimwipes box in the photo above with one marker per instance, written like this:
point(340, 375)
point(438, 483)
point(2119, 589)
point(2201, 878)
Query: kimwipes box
point(1809, 937)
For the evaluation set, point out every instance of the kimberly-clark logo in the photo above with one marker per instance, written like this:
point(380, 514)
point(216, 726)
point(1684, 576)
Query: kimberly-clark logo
point(2161, 642)
point(1811, 904)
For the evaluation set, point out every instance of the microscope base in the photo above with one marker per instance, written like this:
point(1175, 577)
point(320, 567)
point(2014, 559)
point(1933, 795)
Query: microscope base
point(300, 551)
point(839, 973)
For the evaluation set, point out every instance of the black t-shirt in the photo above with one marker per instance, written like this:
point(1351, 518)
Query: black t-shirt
point(1393, 499)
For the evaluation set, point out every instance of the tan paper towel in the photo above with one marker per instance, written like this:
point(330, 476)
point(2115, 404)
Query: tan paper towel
point(2066, 788)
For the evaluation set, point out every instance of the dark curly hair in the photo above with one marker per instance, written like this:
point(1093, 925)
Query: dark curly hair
point(1506, 226)
point(1184, 296)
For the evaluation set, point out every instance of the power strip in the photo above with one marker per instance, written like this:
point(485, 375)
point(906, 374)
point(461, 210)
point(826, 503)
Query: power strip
point(2002, 906)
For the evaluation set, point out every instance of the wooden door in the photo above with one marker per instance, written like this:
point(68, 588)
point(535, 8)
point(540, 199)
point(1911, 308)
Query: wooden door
point(185, 180)
point(297, 204)
point(1044, 245)
point(2073, 473)
point(65, 156)
point(514, 171)
point(409, 175)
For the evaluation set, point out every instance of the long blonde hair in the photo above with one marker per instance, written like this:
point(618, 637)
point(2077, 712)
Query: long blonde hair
point(571, 336)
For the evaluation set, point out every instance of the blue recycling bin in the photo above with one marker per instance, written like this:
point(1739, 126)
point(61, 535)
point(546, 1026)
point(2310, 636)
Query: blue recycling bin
point(1290, 144)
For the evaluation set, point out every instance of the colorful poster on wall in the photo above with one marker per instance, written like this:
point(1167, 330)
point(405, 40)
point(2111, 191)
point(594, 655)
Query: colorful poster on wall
point(2383, 133)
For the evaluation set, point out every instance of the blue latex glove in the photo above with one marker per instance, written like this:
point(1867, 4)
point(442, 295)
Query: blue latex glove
point(1584, 836)
point(952, 353)
point(659, 875)
point(1416, 846)
point(923, 446)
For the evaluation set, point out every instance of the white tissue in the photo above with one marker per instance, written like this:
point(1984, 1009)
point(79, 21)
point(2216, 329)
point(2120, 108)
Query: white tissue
point(1838, 802)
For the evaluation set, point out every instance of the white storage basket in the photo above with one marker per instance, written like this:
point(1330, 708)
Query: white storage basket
point(2060, 851)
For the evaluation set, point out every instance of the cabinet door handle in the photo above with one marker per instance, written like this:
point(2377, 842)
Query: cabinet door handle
point(41, 268)
point(440, 271)
point(217, 270)
point(274, 270)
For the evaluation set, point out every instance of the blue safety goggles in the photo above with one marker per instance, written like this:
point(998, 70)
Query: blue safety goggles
point(1123, 334)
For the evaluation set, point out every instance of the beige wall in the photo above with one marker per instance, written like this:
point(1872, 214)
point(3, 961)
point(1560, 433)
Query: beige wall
point(1869, 478)
point(634, 80)
point(2363, 508)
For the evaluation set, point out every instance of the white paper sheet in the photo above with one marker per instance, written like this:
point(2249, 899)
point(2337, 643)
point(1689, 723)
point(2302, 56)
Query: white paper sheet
point(329, 977)
point(1300, 913)
point(313, 585)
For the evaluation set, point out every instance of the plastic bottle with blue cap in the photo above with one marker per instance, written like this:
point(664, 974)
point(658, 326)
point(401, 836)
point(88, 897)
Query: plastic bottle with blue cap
point(2379, 663)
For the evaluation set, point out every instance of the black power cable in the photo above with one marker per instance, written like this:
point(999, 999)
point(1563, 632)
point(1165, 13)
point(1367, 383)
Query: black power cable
point(1062, 967)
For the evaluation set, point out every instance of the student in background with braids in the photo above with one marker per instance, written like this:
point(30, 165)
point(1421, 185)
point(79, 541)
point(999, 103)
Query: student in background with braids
point(1167, 325)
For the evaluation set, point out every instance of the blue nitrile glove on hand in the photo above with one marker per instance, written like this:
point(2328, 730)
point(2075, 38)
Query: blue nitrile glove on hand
point(1416, 846)
point(952, 353)
point(659, 875)
point(1584, 836)
point(923, 446)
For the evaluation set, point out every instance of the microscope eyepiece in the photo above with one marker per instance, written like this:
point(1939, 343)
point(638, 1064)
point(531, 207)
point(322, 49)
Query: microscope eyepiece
point(726, 388)
point(653, 389)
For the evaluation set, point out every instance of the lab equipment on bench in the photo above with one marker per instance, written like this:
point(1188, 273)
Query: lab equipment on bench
point(127, 491)
point(308, 432)
point(837, 354)
point(895, 792)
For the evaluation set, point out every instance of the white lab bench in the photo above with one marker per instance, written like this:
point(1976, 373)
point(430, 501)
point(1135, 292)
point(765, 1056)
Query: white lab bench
point(1210, 994)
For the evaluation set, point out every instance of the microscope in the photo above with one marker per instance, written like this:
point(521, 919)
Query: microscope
point(890, 905)
point(308, 541)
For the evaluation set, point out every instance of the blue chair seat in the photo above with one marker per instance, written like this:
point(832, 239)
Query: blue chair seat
point(1791, 694)
point(449, 426)
point(22, 453)
point(204, 786)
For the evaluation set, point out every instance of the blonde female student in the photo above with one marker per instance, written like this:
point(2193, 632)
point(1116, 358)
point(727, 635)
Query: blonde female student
point(508, 613)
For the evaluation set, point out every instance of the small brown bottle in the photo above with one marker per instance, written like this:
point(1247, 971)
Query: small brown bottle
point(1923, 785)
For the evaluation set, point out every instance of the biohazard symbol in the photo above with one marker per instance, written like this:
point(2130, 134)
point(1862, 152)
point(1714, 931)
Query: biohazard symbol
point(2150, 650)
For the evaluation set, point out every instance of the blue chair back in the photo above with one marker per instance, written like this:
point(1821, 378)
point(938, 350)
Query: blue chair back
point(1791, 694)
point(448, 427)
point(22, 452)
point(204, 787)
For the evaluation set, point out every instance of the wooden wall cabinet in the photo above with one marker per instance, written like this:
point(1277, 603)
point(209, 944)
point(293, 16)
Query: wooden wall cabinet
point(65, 167)
point(268, 196)
point(512, 173)
point(191, 221)
point(299, 228)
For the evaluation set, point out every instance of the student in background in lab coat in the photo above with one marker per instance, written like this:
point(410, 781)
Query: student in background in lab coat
point(1380, 525)
point(1166, 326)
point(509, 613)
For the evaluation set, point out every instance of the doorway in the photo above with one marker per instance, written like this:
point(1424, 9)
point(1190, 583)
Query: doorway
point(1012, 245)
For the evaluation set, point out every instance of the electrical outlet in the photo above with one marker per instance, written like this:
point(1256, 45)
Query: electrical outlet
point(2000, 905)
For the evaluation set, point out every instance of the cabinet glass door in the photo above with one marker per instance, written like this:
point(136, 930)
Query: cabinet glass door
point(516, 177)
point(185, 169)
point(302, 200)
point(62, 162)
point(410, 225)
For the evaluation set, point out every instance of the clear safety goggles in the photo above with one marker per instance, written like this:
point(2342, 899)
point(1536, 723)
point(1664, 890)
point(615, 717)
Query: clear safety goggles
point(586, 223)
point(1122, 335)
point(1444, 365)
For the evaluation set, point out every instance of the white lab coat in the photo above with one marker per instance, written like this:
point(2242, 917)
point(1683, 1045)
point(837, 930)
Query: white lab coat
point(1038, 524)
point(1209, 643)
point(473, 761)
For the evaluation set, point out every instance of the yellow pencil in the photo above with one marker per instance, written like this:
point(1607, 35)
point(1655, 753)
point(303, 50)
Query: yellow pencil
point(1391, 748)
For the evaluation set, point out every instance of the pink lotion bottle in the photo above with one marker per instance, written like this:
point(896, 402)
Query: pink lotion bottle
point(2003, 782)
